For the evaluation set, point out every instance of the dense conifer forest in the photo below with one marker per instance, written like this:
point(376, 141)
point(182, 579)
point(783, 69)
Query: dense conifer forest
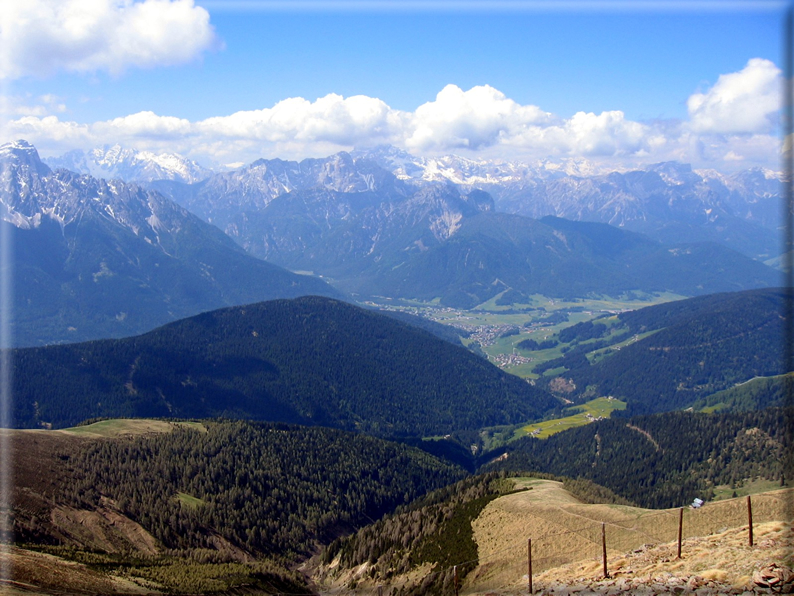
point(664, 460)
point(268, 489)
point(695, 347)
point(755, 394)
point(309, 361)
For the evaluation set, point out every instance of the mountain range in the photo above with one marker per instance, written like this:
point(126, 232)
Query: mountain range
point(97, 258)
point(376, 234)
point(107, 258)
point(669, 201)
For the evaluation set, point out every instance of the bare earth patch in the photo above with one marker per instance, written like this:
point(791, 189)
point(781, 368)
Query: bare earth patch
point(39, 573)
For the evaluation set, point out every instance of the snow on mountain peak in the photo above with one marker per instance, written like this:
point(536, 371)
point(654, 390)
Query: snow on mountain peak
point(130, 165)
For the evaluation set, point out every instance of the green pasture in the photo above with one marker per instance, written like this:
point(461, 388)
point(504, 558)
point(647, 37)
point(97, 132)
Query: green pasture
point(750, 487)
point(189, 501)
point(601, 407)
point(118, 427)
point(539, 307)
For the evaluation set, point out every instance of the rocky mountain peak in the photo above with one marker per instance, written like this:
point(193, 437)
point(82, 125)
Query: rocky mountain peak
point(130, 165)
point(21, 154)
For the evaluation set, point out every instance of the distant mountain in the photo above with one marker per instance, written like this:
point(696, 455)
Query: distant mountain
point(117, 163)
point(220, 198)
point(491, 253)
point(96, 258)
point(310, 360)
point(336, 209)
point(694, 348)
point(668, 201)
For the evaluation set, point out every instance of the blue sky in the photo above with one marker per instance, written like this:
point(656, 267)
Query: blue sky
point(645, 64)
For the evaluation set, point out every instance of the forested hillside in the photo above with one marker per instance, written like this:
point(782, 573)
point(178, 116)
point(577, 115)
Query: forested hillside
point(755, 394)
point(266, 488)
point(434, 531)
point(664, 460)
point(202, 507)
point(310, 360)
point(679, 352)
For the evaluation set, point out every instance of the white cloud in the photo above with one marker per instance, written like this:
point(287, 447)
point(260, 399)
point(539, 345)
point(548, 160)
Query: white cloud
point(479, 122)
point(40, 37)
point(747, 101)
point(332, 119)
point(14, 106)
point(472, 119)
point(608, 134)
point(143, 124)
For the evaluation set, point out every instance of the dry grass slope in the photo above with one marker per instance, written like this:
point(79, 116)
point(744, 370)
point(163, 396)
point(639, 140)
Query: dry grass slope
point(566, 539)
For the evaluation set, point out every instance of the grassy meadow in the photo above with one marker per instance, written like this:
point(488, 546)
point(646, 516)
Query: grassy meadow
point(586, 413)
point(130, 427)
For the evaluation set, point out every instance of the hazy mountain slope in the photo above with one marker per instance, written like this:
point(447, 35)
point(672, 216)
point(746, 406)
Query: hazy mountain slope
point(338, 216)
point(668, 201)
point(106, 259)
point(374, 232)
point(310, 360)
point(223, 197)
point(492, 252)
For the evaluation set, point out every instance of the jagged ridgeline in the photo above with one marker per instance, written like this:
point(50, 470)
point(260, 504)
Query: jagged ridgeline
point(665, 460)
point(310, 360)
point(684, 350)
point(96, 258)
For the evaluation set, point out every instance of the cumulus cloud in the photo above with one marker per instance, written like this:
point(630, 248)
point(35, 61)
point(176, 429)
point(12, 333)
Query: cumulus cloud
point(40, 37)
point(747, 101)
point(477, 122)
point(144, 124)
point(608, 134)
point(333, 119)
point(479, 117)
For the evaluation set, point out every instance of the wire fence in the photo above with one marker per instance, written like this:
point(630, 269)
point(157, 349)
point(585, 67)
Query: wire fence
point(571, 537)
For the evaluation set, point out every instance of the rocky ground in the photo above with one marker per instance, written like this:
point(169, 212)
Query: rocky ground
point(713, 565)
